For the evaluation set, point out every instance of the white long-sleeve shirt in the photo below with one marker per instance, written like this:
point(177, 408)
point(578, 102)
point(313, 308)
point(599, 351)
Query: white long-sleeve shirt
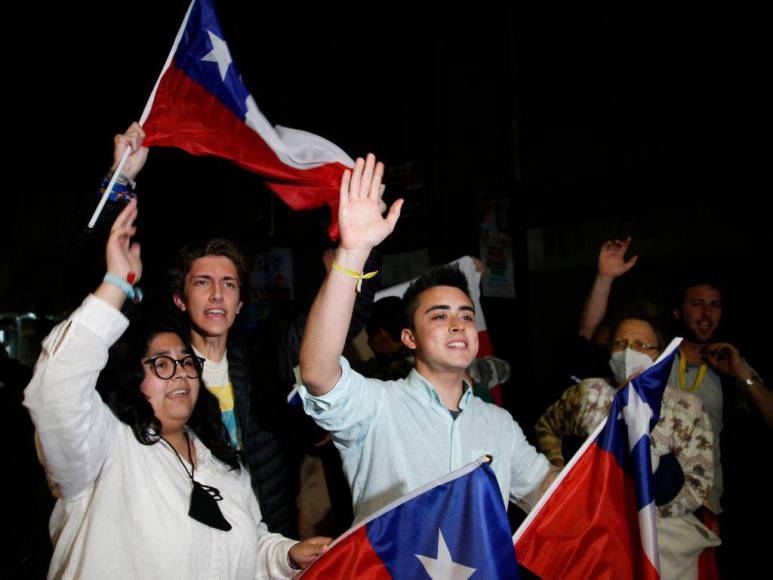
point(123, 510)
point(395, 436)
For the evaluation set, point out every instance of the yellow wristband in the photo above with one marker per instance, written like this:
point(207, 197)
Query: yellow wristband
point(352, 274)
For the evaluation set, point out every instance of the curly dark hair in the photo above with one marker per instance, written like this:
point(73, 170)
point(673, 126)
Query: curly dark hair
point(189, 253)
point(119, 385)
point(442, 276)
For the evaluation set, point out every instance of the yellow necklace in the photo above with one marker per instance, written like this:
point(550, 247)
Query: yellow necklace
point(683, 371)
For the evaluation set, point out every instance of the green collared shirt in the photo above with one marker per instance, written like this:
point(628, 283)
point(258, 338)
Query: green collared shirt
point(395, 436)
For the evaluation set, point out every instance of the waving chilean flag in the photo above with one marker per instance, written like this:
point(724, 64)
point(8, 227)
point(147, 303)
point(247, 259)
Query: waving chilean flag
point(201, 105)
point(598, 518)
point(452, 528)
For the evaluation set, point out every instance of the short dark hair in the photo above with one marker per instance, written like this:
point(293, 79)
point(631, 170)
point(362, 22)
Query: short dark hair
point(644, 311)
point(119, 385)
point(189, 253)
point(443, 276)
point(387, 313)
point(691, 280)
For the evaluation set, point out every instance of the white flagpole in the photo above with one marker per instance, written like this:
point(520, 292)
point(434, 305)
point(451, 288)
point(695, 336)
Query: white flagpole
point(672, 346)
point(143, 118)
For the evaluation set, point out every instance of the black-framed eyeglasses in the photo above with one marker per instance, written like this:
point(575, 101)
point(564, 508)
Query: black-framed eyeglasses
point(622, 344)
point(164, 367)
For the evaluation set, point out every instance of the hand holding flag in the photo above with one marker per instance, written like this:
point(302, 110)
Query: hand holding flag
point(131, 142)
point(200, 104)
point(453, 527)
point(598, 517)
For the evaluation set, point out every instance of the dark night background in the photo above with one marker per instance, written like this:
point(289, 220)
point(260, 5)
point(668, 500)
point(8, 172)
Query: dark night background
point(592, 124)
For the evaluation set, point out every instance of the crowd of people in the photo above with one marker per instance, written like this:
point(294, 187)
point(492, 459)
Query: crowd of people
point(171, 451)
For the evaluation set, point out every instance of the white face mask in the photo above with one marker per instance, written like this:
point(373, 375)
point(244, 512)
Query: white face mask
point(625, 363)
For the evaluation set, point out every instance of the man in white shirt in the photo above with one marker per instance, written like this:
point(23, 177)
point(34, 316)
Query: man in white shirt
point(396, 436)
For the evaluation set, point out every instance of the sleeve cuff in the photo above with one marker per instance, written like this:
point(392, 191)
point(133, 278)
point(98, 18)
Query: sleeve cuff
point(100, 318)
point(319, 404)
point(288, 569)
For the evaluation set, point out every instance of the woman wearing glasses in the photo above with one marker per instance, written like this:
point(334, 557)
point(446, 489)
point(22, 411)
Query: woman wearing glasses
point(149, 486)
point(681, 442)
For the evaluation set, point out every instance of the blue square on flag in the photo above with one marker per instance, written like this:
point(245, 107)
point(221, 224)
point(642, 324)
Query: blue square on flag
point(455, 528)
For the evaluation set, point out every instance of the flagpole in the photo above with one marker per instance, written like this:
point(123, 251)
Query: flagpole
point(143, 118)
point(673, 345)
point(556, 482)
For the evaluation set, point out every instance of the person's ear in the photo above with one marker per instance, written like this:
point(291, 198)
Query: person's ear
point(408, 338)
point(677, 314)
point(179, 302)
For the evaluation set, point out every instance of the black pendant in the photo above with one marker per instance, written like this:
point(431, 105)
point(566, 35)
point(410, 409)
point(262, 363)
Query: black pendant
point(204, 507)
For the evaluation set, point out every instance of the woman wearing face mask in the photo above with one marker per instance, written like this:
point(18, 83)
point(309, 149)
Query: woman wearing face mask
point(148, 484)
point(681, 442)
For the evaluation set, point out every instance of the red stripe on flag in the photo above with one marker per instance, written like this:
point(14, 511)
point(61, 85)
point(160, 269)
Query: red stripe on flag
point(496, 394)
point(484, 344)
point(185, 115)
point(353, 557)
point(589, 527)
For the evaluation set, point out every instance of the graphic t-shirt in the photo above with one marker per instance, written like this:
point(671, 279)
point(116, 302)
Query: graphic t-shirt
point(218, 383)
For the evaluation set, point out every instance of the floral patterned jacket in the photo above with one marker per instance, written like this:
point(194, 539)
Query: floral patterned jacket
point(683, 430)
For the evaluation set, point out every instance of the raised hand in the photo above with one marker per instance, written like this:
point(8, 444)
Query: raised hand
point(612, 262)
point(132, 140)
point(123, 255)
point(360, 218)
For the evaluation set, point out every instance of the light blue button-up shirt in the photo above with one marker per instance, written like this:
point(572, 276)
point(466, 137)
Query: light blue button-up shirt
point(395, 436)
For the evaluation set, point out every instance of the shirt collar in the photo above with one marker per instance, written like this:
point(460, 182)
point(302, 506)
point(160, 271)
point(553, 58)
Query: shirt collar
point(210, 364)
point(426, 392)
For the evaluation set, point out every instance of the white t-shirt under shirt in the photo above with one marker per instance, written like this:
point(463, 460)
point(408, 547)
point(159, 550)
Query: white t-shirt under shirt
point(218, 383)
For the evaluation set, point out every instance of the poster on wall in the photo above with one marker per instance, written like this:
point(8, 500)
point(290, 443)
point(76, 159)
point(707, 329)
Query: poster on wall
point(497, 254)
point(496, 248)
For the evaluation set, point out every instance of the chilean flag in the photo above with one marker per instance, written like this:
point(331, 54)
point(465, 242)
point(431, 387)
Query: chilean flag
point(467, 266)
point(201, 105)
point(451, 528)
point(597, 520)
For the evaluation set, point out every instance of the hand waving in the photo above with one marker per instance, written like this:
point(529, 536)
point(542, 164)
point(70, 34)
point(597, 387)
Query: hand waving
point(122, 255)
point(612, 262)
point(360, 213)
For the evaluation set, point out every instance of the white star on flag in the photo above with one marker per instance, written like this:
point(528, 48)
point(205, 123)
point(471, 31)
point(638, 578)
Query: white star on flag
point(443, 567)
point(637, 415)
point(219, 54)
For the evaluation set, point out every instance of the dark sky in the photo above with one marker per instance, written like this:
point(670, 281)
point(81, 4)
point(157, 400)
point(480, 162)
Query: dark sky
point(648, 123)
point(600, 98)
point(603, 100)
